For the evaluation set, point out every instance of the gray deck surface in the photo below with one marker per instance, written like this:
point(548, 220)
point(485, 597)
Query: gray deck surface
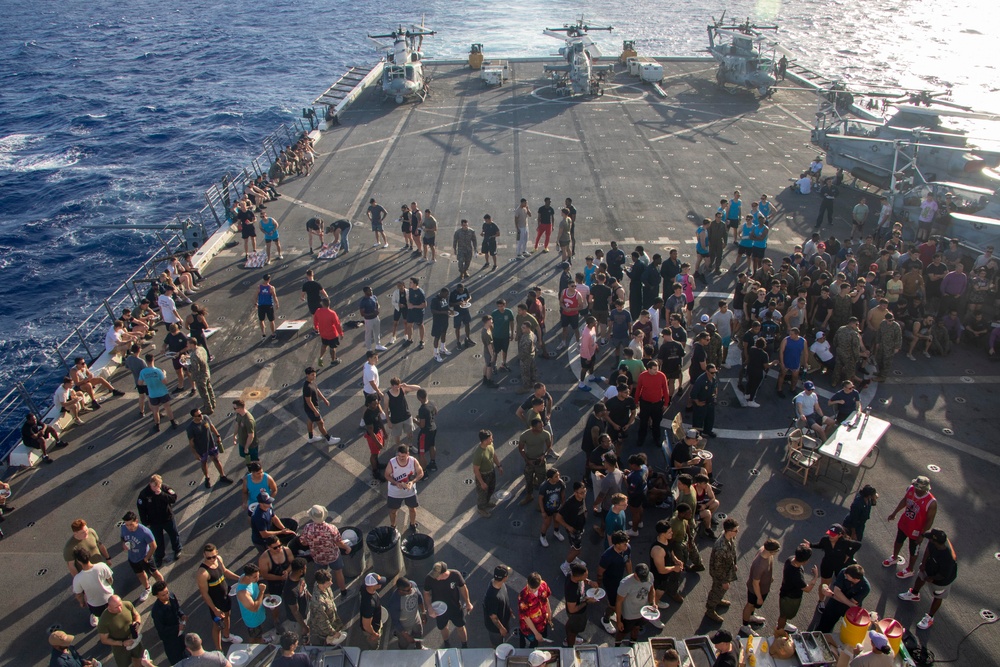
point(640, 169)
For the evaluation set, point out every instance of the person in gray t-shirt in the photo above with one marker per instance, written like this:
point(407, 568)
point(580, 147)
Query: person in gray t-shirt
point(136, 365)
point(634, 592)
point(407, 613)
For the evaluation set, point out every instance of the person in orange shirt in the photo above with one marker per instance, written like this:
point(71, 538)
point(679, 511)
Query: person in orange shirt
point(327, 325)
point(653, 396)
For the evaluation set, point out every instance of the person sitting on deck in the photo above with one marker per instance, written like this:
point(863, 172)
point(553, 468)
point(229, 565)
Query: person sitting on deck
point(117, 341)
point(135, 325)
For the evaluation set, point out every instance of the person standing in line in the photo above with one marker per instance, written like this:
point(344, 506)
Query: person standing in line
point(490, 234)
point(727, 650)
point(564, 235)
point(407, 614)
point(119, 628)
point(546, 216)
point(136, 365)
point(326, 323)
point(717, 234)
point(576, 600)
point(374, 431)
point(838, 551)
point(859, 216)
point(573, 517)
point(704, 395)
point(533, 444)
point(572, 232)
point(274, 564)
point(92, 585)
point(448, 586)
point(312, 292)
point(485, 466)
point(326, 545)
point(793, 586)
point(426, 432)
point(667, 556)
point(154, 379)
point(376, 215)
point(861, 510)
point(250, 598)
point(324, 620)
point(311, 395)
point(939, 568)
point(734, 213)
point(496, 607)
point(463, 244)
point(430, 235)
point(534, 611)
point(170, 622)
point(206, 442)
point(245, 433)
point(201, 374)
point(416, 229)
point(653, 395)
point(156, 512)
point(759, 579)
point(722, 568)
point(526, 345)
point(636, 591)
point(416, 301)
point(850, 588)
point(489, 352)
point(267, 303)
point(368, 308)
point(551, 495)
point(521, 215)
point(269, 226)
point(919, 508)
point(402, 474)
point(139, 545)
point(211, 578)
point(503, 331)
point(295, 596)
point(615, 563)
point(792, 359)
point(370, 611)
point(440, 311)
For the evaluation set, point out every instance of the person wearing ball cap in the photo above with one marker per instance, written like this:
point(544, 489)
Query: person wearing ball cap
point(63, 652)
point(370, 610)
point(880, 654)
point(938, 569)
point(264, 522)
point(810, 414)
point(448, 586)
point(725, 649)
point(838, 550)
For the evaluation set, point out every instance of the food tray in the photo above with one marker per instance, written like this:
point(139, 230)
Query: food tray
point(586, 656)
point(701, 651)
point(813, 649)
point(660, 644)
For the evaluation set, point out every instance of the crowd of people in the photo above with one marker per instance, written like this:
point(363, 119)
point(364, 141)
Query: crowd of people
point(843, 310)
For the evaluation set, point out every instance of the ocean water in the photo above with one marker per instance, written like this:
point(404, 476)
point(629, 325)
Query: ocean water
point(117, 113)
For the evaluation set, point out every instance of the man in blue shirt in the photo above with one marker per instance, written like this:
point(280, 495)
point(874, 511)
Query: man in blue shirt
point(155, 381)
point(269, 226)
point(138, 542)
point(369, 308)
point(845, 401)
point(264, 522)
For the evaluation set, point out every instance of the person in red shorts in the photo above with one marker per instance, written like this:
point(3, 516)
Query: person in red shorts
point(918, 507)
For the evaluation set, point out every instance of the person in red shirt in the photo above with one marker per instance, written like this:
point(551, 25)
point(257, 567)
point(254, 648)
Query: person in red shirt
point(653, 396)
point(917, 510)
point(570, 303)
point(534, 611)
point(327, 325)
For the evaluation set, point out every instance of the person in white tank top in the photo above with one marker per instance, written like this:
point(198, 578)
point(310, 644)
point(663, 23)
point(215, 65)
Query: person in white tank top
point(402, 474)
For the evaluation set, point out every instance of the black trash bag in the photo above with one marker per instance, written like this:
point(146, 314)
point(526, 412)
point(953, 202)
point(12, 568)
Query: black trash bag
point(418, 546)
point(382, 539)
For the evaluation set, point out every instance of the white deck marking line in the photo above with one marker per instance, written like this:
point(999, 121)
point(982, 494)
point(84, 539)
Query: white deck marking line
point(695, 128)
point(313, 207)
point(481, 121)
point(363, 190)
point(806, 124)
point(777, 125)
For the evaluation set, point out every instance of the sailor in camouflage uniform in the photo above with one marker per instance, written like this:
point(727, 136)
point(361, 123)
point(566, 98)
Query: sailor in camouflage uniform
point(714, 350)
point(464, 245)
point(722, 568)
point(888, 341)
point(847, 351)
point(526, 356)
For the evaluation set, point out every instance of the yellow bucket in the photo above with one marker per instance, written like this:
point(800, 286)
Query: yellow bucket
point(856, 623)
point(893, 631)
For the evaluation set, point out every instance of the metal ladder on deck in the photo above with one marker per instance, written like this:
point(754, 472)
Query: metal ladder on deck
point(343, 86)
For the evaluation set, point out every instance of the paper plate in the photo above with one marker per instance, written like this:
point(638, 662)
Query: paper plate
point(596, 593)
point(272, 601)
point(4, 493)
point(338, 638)
point(650, 613)
point(465, 305)
point(232, 592)
point(239, 657)
point(705, 455)
point(132, 643)
point(504, 651)
point(439, 607)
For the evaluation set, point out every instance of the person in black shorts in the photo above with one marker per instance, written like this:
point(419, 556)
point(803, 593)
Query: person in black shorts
point(448, 586)
point(314, 227)
point(573, 517)
point(671, 356)
point(576, 601)
point(621, 414)
point(211, 576)
point(248, 231)
point(490, 234)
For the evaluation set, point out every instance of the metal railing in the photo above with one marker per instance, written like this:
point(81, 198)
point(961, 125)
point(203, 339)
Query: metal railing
point(34, 392)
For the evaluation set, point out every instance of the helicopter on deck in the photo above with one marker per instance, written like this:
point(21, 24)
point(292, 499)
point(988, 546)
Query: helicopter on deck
point(579, 75)
point(403, 75)
point(745, 55)
point(905, 143)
